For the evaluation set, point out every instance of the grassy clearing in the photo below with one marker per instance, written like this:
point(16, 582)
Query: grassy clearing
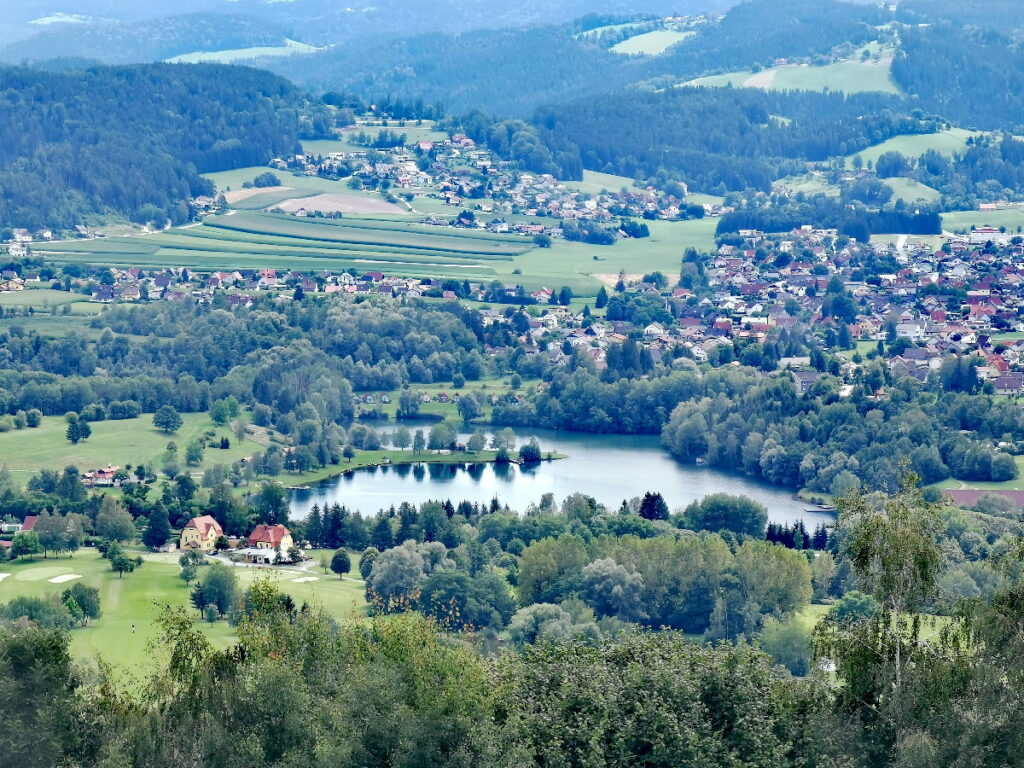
point(598, 31)
point(651, 43)
point(843, 76)
point(663, 250)
point(595, 183)
point(912, 191)
point(945, 143)
point(810, 184)
point(290, 48)
point(962, 221)
point(38, 298)
point(123, 442)
point(133, 601)
point(952, 484)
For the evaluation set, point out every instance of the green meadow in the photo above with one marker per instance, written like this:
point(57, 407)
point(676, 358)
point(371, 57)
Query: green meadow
point(946, 143)
point(843, 76)
point(962, 221)
point(290, 48)
point(912, 191)
point(651, 43)
point(135, 600)
point(128, 441)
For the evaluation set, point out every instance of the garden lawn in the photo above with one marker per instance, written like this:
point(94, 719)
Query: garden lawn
point(123, 442)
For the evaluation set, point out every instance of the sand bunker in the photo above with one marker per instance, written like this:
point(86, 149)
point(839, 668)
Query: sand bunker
point(65, 577)
point(304, 579)
point(4, 576)
point(331, 203)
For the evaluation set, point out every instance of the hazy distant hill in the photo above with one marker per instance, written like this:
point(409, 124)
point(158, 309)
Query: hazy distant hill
point(148, 31)
point(145, 41)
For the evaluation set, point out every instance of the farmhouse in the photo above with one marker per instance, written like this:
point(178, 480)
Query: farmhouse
point(201, 534)
point(102, 478)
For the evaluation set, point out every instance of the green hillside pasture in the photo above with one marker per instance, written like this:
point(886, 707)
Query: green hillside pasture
point(290, 48)
point(595, 183)
point(946, 143)
point(651, 43)
point(962, 221)
point(597, 31)
point(810, 184)
point(663, 251)
point(122, 442)
point(844, 76)
point(134, 601)
point(912, 191)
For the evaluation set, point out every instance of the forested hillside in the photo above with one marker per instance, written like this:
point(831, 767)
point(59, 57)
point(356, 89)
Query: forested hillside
point(133, 140)
point(978, 81)
point(146, 41)
point(511, 71)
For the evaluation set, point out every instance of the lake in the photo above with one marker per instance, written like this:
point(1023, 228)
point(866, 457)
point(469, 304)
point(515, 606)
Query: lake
point(608, 467)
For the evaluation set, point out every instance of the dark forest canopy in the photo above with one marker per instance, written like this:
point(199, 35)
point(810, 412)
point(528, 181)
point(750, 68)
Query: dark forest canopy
point(134, 139)
point(510, 71)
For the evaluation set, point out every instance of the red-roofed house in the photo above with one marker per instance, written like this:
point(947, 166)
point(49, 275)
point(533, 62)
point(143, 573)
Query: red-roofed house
point(201, 534)
point(29, 522)
point(271, 537)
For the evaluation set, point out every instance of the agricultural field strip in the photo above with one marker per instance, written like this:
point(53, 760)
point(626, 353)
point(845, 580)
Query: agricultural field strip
point(299, 247)
point(208, 260)
point(276, 224)
point(370, 243)
point(393, 222)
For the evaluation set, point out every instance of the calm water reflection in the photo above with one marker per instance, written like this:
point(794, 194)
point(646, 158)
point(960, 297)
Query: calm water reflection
point(608, 467)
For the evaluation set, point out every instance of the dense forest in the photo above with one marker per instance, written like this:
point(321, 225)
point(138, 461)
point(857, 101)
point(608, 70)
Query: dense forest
point(133, 140)
point(297, 368)
point(510, 71)
point(977, 82)
point(717, 139)
point(577, 682)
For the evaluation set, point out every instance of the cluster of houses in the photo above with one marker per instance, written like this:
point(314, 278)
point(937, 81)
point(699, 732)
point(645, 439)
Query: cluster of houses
point(966, 298)
point(461, 173)
point(266, 545)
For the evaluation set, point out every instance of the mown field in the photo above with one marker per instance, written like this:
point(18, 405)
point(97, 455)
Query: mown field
point(651, 43)
point(962, 221)
point(128, 441)
point(135, 598)
point(946, 143)
point(844, 76)
point(912, 191)
point(290, 48)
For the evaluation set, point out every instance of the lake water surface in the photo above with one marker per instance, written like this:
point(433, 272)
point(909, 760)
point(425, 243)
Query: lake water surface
point(608, 467)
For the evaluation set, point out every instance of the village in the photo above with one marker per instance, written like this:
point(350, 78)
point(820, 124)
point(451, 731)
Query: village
point(459, 172)
point(922, 303)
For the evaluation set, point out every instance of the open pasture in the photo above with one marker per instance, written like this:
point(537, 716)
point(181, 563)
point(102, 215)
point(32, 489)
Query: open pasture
point(844, 76)
point(651, 43)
